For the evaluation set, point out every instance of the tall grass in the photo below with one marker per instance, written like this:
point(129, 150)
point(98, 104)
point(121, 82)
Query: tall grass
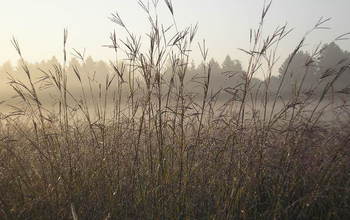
point(164, 152)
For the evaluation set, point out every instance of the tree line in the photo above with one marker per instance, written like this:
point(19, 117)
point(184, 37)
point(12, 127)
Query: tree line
point(304, 70)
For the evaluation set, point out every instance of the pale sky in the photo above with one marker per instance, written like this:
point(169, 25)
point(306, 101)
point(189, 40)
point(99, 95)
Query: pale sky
point(38, 24)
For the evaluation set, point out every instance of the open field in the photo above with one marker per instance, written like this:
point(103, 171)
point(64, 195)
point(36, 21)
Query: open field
point(143, 142)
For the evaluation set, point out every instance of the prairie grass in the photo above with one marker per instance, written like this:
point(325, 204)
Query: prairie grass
point(165, 152)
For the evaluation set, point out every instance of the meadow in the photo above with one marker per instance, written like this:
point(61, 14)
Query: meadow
point(149, 142)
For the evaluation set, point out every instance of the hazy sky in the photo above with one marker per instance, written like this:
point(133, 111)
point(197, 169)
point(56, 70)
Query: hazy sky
point(38, 24)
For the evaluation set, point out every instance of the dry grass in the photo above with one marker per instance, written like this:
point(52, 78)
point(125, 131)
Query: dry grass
point(166, 153)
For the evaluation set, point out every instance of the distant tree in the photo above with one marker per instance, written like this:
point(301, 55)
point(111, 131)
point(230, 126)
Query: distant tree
point(297, 71)
point(101, 68)
point(74, 63)
point(6, 67)
point(53, 60)
point(215, 66)
point(217, 78)
point(191, 71)
point(232, 70)
point(274, 83)
point(331, 54)
point(332, 59)
point(192, 66)
point(90, 63)
point(230, 65)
